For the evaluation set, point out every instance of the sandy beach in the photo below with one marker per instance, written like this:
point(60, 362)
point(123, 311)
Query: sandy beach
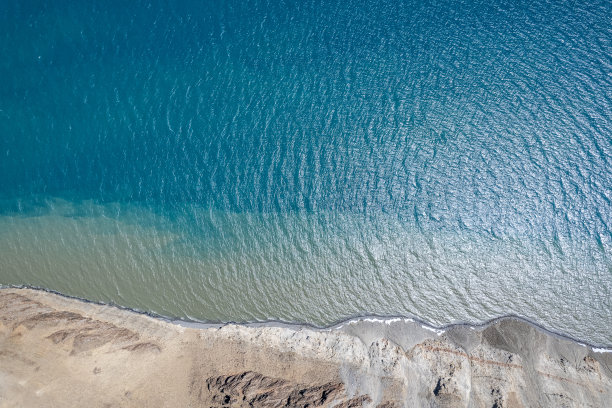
point(58, 351)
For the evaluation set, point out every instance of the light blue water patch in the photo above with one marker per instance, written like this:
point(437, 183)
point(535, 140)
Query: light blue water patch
point(312, 160)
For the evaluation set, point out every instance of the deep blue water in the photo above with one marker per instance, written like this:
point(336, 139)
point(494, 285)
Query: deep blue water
point(308, 161)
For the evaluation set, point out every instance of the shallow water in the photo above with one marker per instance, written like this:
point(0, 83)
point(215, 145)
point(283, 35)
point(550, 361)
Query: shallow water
point(310, 161)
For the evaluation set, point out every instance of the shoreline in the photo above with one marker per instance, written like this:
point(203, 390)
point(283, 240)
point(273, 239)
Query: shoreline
point(197, 324)
point(52, 345)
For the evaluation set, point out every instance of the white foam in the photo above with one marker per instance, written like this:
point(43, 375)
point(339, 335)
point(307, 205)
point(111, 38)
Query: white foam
point(437, 331)
point(389, 321)
point(601, 350)
point(373, 320)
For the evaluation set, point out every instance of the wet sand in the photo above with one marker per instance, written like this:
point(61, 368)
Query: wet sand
point(58, 351)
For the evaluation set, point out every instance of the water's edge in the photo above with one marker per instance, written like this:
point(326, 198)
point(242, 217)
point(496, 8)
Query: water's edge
point(598, 348)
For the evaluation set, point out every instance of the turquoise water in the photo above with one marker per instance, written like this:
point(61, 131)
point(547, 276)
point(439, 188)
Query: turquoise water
point(310, 161)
